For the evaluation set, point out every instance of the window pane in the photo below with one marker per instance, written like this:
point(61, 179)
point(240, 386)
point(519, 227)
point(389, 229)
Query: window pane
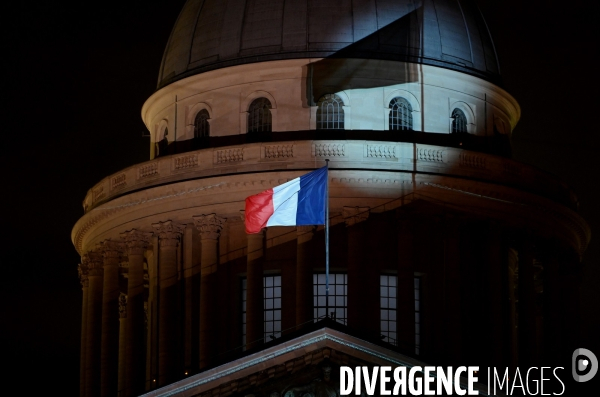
point(384, 280)
point(384, 303)
point(321, 289)
point(387, 302)
point(383, 291)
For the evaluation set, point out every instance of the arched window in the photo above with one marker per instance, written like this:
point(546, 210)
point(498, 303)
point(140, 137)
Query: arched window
point(259, 115)
point(163, 144)
point(400, 114)
point(459, 122)
point(201, 126)
point(330, 113)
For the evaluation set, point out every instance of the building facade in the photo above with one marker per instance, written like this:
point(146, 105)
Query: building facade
point(443, 249)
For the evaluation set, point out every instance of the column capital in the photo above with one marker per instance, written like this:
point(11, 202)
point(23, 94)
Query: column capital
point(123, 305)
point(354, 215)
point(82, 270)
point(168, 233)
point(136, 241)
point(94, 262)
point(210, 225)
point(112, 250)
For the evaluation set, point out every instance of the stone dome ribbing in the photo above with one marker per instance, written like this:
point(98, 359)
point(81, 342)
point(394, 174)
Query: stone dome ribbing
point(212, 34)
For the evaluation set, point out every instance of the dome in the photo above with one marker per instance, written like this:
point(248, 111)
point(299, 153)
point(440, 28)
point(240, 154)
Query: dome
point(212, 34)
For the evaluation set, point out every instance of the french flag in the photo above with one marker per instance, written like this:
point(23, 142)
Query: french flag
point(298, 202)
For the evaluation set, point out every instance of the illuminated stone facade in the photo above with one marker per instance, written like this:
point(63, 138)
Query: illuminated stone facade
point(436, 234)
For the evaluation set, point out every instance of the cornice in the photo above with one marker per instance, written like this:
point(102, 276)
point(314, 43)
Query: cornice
point(356, 164)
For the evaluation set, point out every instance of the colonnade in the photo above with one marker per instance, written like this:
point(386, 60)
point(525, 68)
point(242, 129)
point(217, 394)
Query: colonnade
point(151, 308)
point(131, 340)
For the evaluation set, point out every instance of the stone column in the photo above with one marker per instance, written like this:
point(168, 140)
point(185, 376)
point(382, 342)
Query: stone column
point(83, 277)
point(210, 227)
point(304, 282)
point(110, 318)
point(254, 289)
point(353, 216)
point(152, 318)
point(188, 273)
point(169, 234)
point(122, 348)
point(93, 327)
point(135, 359)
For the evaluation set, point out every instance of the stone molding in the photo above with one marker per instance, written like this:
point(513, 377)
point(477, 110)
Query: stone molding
point(354, 215)
point(136, 241)
point(210, 226)
point(122, 305)
point(169, 233)
point(94, 262)
point(185, 161)
point(501, 179)
point(83, 271)
point(112, 251)
point(276, 152)
point(381, 151)
point(396, 156)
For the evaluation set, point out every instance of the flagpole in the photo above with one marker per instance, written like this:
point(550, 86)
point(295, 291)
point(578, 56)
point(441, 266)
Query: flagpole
point(327, 241)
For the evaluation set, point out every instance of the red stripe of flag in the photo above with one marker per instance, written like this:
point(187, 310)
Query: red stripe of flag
point(259, 209)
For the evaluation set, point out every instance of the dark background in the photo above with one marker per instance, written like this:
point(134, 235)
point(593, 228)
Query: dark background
point(75, 78)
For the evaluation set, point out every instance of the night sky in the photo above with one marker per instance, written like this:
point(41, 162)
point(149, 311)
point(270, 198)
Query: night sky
point(75, 78)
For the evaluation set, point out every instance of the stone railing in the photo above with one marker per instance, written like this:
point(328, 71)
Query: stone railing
point(391, 156)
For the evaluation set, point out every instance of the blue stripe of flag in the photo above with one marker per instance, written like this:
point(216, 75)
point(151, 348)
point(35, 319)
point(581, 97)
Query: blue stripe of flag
point(311, 198)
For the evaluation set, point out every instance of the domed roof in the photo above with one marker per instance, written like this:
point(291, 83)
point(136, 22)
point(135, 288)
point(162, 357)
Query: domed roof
point(212, 34)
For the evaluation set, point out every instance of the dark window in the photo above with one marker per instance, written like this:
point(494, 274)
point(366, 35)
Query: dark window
point(330, 113)
point(459, 122)
point(259, 116)
point(388, 305)
point(201, 126)
point(163, 144)
point(338, 292)
point(400, 114)
point(272, 307)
